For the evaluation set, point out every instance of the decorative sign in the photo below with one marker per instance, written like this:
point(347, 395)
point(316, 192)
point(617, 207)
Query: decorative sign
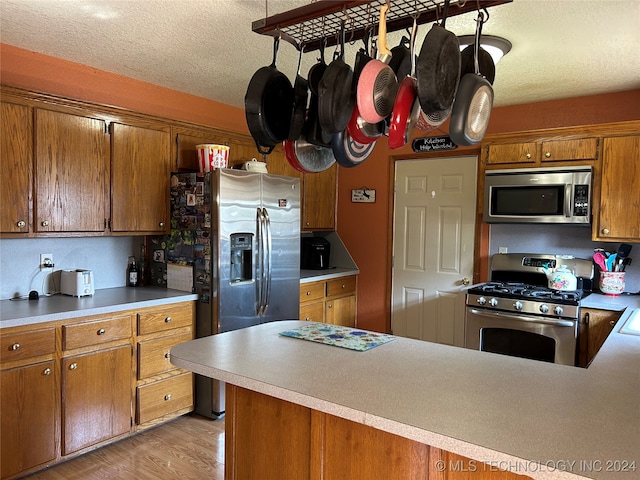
point(433, 144)
point(363, 195)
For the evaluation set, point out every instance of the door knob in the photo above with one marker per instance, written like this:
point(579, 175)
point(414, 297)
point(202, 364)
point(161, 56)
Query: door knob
point(465, 281)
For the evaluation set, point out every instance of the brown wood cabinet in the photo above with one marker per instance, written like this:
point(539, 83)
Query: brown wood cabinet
point(70, 385)
point(619, 202)
point(320, 445)
point(532, 153)
point(141, 165)
point(595, 326)
point(569, 150)
point(329, 301)
point(511, 153)
point(162, 390)
point(71, 173)
point(29, 400)
point(16, 155)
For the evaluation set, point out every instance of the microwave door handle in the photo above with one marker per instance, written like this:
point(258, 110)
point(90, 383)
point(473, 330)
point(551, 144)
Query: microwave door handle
point(568, 200)
point(547, 321)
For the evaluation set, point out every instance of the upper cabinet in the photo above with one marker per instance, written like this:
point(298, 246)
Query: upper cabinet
point(71, 173)
point(511, 153)
point(141, 164)
point(618, 218)
point(537, 153)
point(16, 157)
point(569, 150)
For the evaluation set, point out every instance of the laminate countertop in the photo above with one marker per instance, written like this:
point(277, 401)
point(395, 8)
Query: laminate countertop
point(59, 307)
point(534, 418)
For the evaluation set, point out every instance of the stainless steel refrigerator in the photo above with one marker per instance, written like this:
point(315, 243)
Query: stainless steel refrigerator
point(241, 233)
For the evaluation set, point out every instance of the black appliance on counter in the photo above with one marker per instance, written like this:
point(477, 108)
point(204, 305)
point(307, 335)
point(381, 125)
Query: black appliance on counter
point(315, 253)
point(517, 314)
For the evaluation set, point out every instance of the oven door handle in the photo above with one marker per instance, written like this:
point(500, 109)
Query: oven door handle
point(511, 316)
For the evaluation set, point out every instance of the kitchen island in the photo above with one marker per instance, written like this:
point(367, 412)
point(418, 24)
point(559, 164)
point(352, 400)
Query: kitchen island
point(412, 409)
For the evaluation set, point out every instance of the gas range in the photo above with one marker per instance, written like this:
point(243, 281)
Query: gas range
point(526, 298)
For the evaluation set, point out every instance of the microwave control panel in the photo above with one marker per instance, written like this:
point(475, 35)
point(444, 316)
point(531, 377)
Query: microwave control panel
point(580, 200)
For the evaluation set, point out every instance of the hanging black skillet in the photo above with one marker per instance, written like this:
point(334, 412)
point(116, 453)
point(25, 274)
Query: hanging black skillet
point(312, 131)
point(438, 68)
point(485, 63)
point(473, 103)
point(300, 98)
point(268, 105)
point(335, 99)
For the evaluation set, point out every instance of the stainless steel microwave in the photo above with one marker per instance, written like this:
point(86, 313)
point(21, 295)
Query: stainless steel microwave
point(531, 195)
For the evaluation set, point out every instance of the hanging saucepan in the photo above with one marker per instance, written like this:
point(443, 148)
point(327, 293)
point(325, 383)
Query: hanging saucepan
point(377, 85)
point(473, 104)
point(406, 108)
point(268, 105)
point(313, 158)
point(300, 99)
point(335, 101)
point(348, 152)
point(438, 68)
point(364, 132)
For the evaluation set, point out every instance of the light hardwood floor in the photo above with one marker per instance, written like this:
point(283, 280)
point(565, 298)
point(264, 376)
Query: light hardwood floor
point(187, 448)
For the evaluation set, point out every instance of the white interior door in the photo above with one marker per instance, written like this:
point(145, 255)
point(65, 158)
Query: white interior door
point(434, 224)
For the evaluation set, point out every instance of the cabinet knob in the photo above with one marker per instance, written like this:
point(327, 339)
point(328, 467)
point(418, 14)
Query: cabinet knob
point(167, 355)
point(101, 331)
point(547, 154)
point(612, 322)
point(308, 293)
point(344, 286)
point(47, 371)
point(73, 366)
point(161, 224)
point(167, 397)
point(528, 155)
point(15, 346)
point(21, 224)
point(329, 305)
point(45, 223)
point(606, 231)
point(167, 320)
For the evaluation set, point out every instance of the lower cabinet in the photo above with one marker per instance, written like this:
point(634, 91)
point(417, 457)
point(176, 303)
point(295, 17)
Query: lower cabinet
point(329, 301)
point(319, 445)
point(595, 326)
point(75, 384)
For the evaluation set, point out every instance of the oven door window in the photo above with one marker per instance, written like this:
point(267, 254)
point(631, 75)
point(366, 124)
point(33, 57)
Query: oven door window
point(518, 343)
point(531, 201)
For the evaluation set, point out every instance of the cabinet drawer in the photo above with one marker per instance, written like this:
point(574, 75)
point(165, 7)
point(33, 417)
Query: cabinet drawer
point(314, 312)
point(153, 355)
point(166, 318)
point(16, 346)
point(95, 333)
point(163, 397)
point(311, 291)
point(341, 286)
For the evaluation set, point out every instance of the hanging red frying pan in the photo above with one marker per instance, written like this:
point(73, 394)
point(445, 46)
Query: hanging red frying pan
point(377, 85)
point(290, 155)
point(407, 106)
point(364, 132)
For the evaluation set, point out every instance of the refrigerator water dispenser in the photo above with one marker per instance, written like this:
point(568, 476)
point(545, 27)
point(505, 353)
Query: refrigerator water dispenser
point(241, 257)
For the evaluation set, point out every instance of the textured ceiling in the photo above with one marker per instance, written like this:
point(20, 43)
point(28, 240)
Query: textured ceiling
point(561, 48)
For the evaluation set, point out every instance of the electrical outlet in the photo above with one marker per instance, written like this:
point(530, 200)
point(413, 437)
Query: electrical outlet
point(46, 260)
point(503, 250)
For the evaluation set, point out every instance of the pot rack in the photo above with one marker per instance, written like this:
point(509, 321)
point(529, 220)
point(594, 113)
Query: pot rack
point(316, 24)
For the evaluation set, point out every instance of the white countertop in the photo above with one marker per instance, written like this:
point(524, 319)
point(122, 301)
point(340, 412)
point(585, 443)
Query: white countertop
point(58, 307)
point(319, 275)
point(531, 417)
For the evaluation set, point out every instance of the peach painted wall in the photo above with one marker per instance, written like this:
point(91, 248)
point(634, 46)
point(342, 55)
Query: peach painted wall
point(364, 228)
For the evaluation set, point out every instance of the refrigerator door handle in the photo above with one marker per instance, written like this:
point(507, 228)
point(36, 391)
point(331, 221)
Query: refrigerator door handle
point(267, 261)
point(260, 245)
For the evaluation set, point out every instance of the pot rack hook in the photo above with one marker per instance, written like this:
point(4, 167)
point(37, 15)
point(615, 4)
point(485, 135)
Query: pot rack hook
point(476, 42)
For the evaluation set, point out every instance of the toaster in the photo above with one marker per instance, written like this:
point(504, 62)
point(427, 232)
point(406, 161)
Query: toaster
point(77, 283)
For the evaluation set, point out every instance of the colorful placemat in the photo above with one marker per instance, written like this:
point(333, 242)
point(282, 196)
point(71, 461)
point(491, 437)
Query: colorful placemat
point(345, 337)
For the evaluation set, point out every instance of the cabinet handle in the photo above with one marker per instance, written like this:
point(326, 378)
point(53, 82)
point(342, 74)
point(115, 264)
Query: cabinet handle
point(167, 320)
point(161, 224)
point(101, 331)
point(329, 305)
point(547, 154)
point(344, 286)
point(308, 293)
point(21, 224)
point(612, 322)
point(167, 355)
point(528, 155)
point(605, 231)
point(45, 223)
point(15, 346)
point(73, 366)
point(167, 397)
point(47, 371)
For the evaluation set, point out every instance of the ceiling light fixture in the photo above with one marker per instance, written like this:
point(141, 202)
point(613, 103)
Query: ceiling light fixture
point(497, 47)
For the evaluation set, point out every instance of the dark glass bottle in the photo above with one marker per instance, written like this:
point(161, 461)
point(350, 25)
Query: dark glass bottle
point(133, 279)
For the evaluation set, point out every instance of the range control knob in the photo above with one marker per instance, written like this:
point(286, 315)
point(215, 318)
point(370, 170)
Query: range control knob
point(558, 310)
point(481, 300)
point(493, 302)
point(544, 308)
point(517, 306)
